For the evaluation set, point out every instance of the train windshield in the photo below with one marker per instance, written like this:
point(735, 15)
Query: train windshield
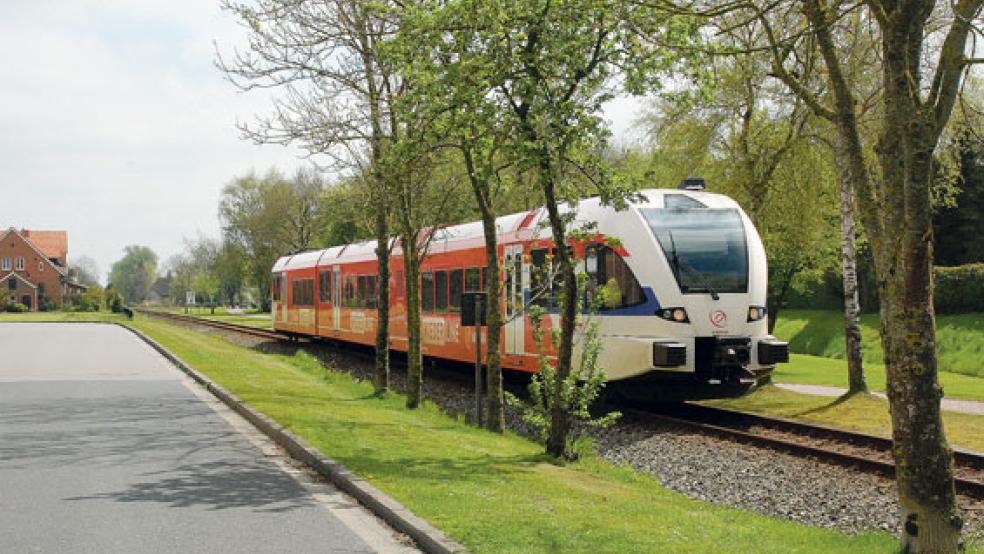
point(705, 247)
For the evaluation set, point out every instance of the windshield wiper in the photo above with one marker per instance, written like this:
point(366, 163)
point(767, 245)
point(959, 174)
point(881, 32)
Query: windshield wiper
point(681, 263)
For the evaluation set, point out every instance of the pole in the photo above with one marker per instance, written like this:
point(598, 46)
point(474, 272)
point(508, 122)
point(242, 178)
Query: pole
point(478, 363)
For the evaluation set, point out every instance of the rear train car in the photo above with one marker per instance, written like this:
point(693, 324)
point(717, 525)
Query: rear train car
point(683, 283)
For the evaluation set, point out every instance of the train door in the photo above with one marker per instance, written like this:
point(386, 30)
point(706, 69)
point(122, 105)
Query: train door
point(513, 290)
point(283, 297)
point(336, 294)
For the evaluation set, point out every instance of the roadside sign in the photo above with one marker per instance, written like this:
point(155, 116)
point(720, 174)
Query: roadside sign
point(189, 297)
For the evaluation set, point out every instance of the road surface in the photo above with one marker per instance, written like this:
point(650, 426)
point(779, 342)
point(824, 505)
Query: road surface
point(107, 448)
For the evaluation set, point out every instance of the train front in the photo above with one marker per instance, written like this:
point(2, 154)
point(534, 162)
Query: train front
point(699, 327)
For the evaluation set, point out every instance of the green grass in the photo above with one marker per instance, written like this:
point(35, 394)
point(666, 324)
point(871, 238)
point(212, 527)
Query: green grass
point(249, 318)
point(61, 316)
point(815, 370)
point(865, 413)
point(493, 493)
point(959, 338)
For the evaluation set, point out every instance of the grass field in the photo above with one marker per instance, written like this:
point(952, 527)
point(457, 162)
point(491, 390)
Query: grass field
point(816, 370)
point(492, 493)
point(865, 413)
point(959, 338)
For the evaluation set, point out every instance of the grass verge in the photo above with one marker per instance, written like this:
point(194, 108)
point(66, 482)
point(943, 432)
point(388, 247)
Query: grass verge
point(864, 413)
point(492, 493)
point(61, 316)
point(815, 370)
point(959, 338)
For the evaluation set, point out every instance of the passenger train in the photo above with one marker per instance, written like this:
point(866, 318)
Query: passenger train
point(684, 313)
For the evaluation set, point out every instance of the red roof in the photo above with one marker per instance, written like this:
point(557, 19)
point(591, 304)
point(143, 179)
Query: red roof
point(53, 244)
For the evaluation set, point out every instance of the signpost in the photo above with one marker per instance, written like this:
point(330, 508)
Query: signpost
point(473, 307)
point(189, 299)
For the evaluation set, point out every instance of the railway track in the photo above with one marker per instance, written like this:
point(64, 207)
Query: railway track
point(870, 453)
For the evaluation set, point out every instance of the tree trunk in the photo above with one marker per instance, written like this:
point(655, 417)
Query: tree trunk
point(495, 402)
point(560, 417)
point(493, 361)
point(415, 363)
point(849, 272)
point(925, 463)
point(381, 373)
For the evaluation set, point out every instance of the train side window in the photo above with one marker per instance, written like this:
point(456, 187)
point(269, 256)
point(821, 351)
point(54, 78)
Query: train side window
point(441, 291)
point(540, 278)
point(350, 298)
point(302, 292)
point(427, 291)
point(276, 287)
point(472, 279)
point(363, 284)
point(324, 286)
point(454, 289)
point(371, 291)
point(612, 278)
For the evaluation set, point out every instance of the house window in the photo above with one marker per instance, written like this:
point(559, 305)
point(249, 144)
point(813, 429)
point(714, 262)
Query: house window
point(6, 264)
point(41, 291)
point(12, 284)
point(20, 263)
point(41, 267)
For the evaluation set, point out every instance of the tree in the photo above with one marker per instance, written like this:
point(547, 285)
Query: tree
point(915, 38)
point(229, 269)
point(133, 274)
point(550, 64)
point(267, 217)
point(337, 92)
point(957, 227)
point(84, 270)
point(452, 90)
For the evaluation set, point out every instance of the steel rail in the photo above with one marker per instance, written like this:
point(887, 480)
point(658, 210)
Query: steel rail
point(812, 441)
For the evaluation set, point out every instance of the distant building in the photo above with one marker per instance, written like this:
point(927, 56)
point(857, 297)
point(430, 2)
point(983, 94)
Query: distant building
point(160, 291)
point(34, 266)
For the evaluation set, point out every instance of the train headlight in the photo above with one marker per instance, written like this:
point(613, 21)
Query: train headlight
point(678, 315)
point(756, 313)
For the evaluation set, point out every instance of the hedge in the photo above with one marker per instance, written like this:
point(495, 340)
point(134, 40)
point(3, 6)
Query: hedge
point(960, 289)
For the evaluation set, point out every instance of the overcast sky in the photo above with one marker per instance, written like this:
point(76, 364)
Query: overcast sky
point(115, 125)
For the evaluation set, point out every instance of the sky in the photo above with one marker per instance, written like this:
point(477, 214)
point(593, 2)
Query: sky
point(116, 126)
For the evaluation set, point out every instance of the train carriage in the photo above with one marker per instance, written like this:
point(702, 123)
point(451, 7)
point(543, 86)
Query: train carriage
point(684, 288)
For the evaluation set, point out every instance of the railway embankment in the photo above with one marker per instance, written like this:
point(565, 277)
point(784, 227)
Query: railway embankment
point(492, 492)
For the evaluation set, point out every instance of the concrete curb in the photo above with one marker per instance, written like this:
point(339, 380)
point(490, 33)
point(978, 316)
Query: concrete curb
point(427, 537)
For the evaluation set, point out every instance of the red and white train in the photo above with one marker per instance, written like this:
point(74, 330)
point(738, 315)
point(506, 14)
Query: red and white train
point(684, 315)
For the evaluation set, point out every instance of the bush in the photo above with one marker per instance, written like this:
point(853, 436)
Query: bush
point(15, 307)
point(91, 300)
point(959, 289)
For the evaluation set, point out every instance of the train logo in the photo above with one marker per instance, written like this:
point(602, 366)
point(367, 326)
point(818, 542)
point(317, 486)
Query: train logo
point(719, 319)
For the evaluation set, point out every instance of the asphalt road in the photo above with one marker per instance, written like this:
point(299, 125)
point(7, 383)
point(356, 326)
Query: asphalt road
point(105, 447)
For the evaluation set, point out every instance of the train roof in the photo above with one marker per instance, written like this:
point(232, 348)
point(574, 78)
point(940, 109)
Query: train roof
point(517, 226)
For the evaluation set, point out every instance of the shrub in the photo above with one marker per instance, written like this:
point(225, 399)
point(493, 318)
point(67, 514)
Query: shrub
point(15, 307)
point(46, 304)
point(959, 289)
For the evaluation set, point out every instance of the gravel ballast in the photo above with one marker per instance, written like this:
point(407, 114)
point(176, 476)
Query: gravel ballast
point(696, 465)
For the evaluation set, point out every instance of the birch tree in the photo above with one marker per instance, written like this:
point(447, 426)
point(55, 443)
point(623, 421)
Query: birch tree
point(335, 92)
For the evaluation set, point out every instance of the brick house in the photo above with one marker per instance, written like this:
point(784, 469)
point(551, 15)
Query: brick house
point(34, 267)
